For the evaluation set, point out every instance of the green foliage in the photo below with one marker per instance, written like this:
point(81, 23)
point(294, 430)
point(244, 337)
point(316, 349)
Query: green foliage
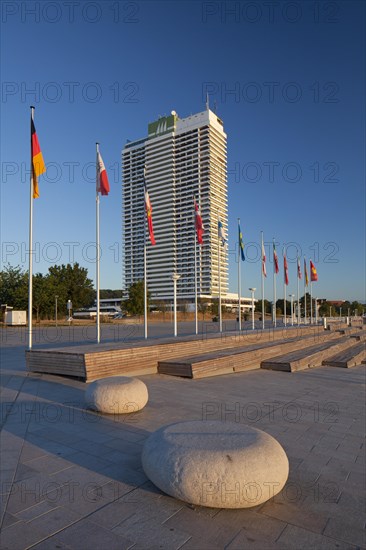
point(135, 303)
point(71, 282)
point(66, 282)
point(267, 306)
point(280, 307)
point(14, 287)
point(357, 307)
point(43, 298)
point(325, 309)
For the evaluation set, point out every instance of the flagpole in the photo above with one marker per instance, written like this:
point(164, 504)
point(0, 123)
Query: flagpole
point(239, 278)
point(262, 284)
point(316, 310)
point(219, 258)
point(274, 292)
point(30, 283)
point(219, 268)
point(305, 286)
point(311, 301)
point(195, 275)
point(97, 277)
point(298, 293)
point(145, 272)
point(284, 293)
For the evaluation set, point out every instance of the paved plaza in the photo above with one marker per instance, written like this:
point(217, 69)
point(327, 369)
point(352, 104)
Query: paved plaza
point(72, 478)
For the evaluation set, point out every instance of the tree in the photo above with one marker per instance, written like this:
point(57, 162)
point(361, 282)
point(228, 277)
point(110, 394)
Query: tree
point(71, 282)
point(267, 306)
point(357, 307)
point(325, 309)
point(65, 281)
point(14, 287)
point(280, 306)
point(135, 303)
point(43, 298)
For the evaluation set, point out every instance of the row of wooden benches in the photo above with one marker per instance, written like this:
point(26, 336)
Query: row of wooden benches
point(285, 355)
point(193, 357)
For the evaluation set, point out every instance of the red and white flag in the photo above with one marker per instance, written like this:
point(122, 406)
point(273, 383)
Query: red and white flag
point(299, 274)
point(198, 222)
point(264, 270)
point(102, 178)
point(275, 259)
point(285, 268)
point(148, 209)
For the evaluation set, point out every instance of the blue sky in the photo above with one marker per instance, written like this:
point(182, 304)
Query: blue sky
point(286, 78)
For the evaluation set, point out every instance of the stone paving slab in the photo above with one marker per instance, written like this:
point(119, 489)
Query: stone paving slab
point(72, 479)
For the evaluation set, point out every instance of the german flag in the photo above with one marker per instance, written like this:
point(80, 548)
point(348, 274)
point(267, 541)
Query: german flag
point(38, 165)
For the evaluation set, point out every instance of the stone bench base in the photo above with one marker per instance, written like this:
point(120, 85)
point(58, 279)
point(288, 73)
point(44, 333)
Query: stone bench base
point(215, 464)
point(117, 395)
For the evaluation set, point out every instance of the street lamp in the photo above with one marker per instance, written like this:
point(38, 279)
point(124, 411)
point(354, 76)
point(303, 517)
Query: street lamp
point(292, 308)
point(56, 310)
point(175, 278)
point(69, 309)
point(252, 290)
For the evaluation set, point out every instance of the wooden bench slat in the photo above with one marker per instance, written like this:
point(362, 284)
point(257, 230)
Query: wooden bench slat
point(308, 357)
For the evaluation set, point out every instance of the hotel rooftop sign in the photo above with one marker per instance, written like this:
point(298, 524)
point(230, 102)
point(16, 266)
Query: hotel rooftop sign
point(162, 125)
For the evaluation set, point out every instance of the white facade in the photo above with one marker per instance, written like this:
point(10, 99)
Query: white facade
point(183, 158)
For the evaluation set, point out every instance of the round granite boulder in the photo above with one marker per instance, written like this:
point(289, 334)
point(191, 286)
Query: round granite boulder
point(215, 464)
point(117, 395)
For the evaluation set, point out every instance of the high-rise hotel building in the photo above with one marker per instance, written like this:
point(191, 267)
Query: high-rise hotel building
point(184, 157)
